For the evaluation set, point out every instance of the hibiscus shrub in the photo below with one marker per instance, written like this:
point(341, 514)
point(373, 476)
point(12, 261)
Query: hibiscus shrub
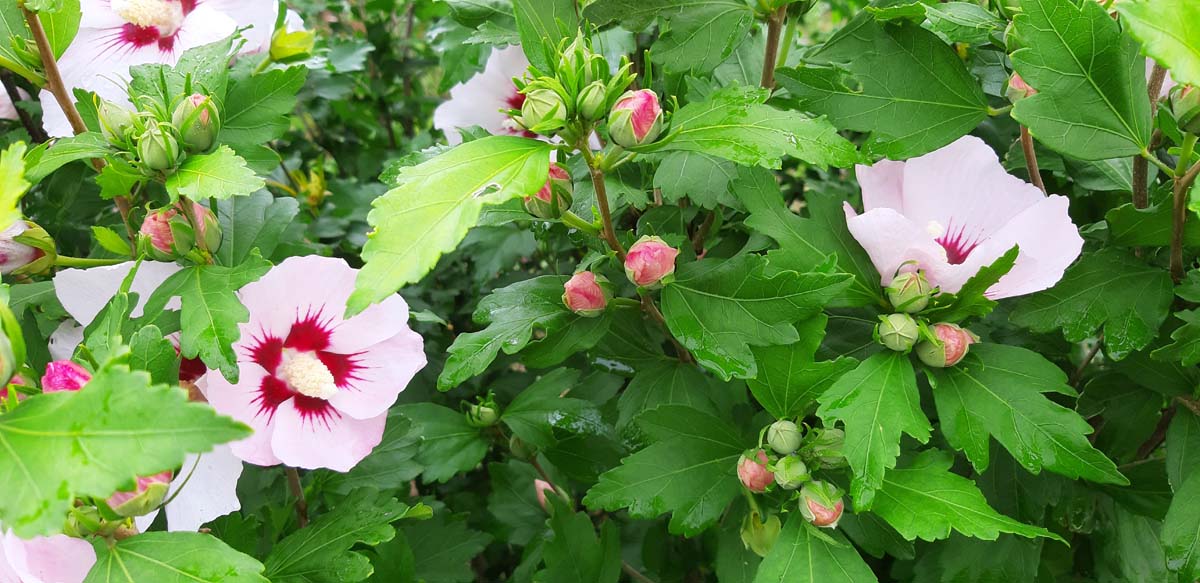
point(592, 291)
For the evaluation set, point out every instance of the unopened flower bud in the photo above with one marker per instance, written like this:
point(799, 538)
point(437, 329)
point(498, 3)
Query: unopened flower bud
point(952, 345)
point(752, 471)
point(759, 535)
point(650, 262)
point(636, 118)
point(64, 375)
point(791, 472)
point(147, 495)
point(541, 487)
point(824, 447)
point(554, 196)
point(167, 234)
point(784, 437)
point(585, 294)
point(83, 522)
point(821, 504)
point(1018, 89)
point(1185, 103)
point(15, 255)
point(289, 46)
point(544, 111)
point(8, 367)
point(898, 332)
point(909, 292)
point(519, 449)
point(592, 100)
point(116, 121)
point(482, 415)
point(157, 147)
point(198, 122)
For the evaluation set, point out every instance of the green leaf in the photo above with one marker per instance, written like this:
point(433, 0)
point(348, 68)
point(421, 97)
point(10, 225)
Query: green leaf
point(41, 162)
point(434, 205)
point(876, 402)
point(962, 22)
point(1109, 289)
point(253, 222)
point(211, 310)
point(149, 350)
point(60, 26)
point(58, 446)
point(118, 178)
point(927, 500)
point(513, 502)
point(998, 391)
point(1181, 530)
point(321, 552)
point(111, 241)
point(541, 409)
point(959, 558)
point(541, 25)
point(448, 444)
point(875, 536)
point(172, 557)
point(1183, 447)
point(1185, 340)
point(702, 178)
point(719, 308)
point(789, 377)
point(576, 554)
point(698, 37)
point(13, 184)
point(806, 244)
point(512, 314)
point(689, 471)
point(802, 554)
point(220, 175)
point(971, 301)
point(1091, 80)
point(256, 107)
point(1129, 549)
point(736, 124)
point(926, 99)
point(666, 383)
point(1170, 32)
point(390, 466)
point(443, 548)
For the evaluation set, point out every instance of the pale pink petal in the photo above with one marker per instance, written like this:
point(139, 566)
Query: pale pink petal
point(1049, 243)
point(238, 401)
point(337, 443)
point(208, 24)
point(308, 284)
point(882, 185)
point(210, 493)
point(259, 15)
point(479, 100)
point(374, 325)
point(891, 240)
point(53, 559)
point(8, 109)
point(64, 340)
point(98, 14)
point(85, 292)
point(293, 22)
point(387, 368)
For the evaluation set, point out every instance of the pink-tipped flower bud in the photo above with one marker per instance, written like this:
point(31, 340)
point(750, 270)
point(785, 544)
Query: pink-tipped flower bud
point(542, 487)
point(650, 262)
point(821, 504)
point(752, 471)
point(898, 332)
point(147, 495)
point(64, 375)
point(585, 294)
point(636, 118)
point(1018, 89)
point(166, 234)
point(14, 255)
point(15, 380)
point(198, 122)
point(909, 292)
point(952, 345)
point(554, 197)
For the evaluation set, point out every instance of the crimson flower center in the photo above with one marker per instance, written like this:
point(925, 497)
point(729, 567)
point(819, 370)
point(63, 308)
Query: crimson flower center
point(957, 243)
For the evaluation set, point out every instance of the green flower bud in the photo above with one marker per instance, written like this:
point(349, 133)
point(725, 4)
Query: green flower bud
point(759, 535)
point(482, 415)
point(157, 148)
point(592, 101)
point(544, 112)
point(288, 47)
point(198, 122)
point(824, 447)
point(520, 450)
point(1185, 103)
point(898, 332)
point(791, 472)
point(951, 346)
point(117, 123)
point(909, 292)
point(784, 437)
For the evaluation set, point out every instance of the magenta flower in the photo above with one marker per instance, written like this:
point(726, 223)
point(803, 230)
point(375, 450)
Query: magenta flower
point(482, 99)
point(954, 211)
point(115, 35)
point(44, 559)
point(583, 294)
point(315, 387)
point(649, 261)
point(64, 375)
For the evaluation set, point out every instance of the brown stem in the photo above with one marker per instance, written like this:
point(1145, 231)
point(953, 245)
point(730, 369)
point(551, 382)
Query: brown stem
point(1087, 360)
point(1031, 162)
point(1159, 435)
point(657, 316)
point(293, 480)
point(1141, 166)
point(36, 133)
point(634, 573)
point(1191, 403)
point(774, 27)
point(609, 234)
point(702, 233)
point(1179, 219)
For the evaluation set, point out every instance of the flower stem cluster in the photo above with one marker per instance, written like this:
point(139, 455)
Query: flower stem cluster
point(938, 345)
point(156, 138)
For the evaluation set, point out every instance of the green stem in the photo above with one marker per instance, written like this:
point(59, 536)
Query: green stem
point(608, 234)
point(68, 261)
point(1179, 205)
point(1159, 163)
point(627, 303)
point(785, 44)
point(996, 111)
point(266, 62)
point(575, 221)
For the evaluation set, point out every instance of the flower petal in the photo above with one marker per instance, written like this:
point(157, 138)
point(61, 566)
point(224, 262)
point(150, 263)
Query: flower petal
point(882, 185)
point(386, 369)
point(310, 283)
point(239, 401)
point(338, 445)
point(208, 24)
point(1049, 243)
point(478, 101)
point(260, 15)
point(65, 339)
point(85, 292)
point(211, 492)
point(374, 325)
point(892, 240)
point(52, 559)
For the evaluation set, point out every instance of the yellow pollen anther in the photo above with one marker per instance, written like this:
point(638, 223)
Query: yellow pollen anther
point(307, 375)
point(165, 15)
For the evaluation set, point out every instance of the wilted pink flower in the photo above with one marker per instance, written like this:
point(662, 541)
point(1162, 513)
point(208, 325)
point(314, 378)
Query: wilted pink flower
point(541, 487)
point(64, 375)
point(45, 559)
point(636, 118)
point(314, 387)
point(956, 210)
point(115, 35)
point(480, 101)
point(753, 472)
point(649, 260)
point(955, 342)
point(583, 295)
point(14, 255)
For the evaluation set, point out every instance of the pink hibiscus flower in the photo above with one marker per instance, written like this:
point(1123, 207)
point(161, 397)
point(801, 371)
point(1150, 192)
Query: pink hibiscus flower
point(115, 35)
point(479, 101)
point(316, 388)
point(44, 559)
point(954, 211)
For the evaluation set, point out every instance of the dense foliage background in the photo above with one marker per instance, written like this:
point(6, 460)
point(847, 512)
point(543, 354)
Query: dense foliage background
point(1053, 437)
